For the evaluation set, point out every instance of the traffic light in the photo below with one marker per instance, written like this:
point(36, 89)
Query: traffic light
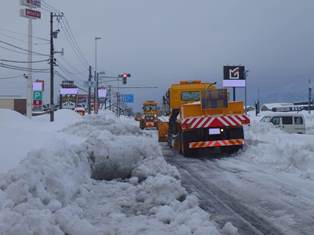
point(124, 77)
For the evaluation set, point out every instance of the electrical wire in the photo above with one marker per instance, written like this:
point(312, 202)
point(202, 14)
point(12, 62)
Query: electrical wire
point(11, 77)
point(12, 67)
point(24, 62)
point(64, 24)
point(68, 33)
point(22, 40)
point(22, 49)
point(73, 68)
point(17, 33)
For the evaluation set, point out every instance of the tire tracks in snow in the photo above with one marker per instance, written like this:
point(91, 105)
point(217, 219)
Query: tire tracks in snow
point(221, 205)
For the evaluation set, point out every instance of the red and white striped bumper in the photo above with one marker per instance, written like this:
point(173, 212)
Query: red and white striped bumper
point(215, 143)
point(214, 121)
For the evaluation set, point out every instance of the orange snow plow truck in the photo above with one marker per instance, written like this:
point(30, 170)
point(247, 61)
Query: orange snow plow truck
point(201, 120)
point(150, 115)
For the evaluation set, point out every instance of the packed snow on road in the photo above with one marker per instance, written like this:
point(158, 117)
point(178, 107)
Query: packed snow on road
point(266, 188)
point(91, 175)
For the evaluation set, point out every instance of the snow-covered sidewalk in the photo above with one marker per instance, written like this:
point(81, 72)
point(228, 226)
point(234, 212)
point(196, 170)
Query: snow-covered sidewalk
point(99, 175)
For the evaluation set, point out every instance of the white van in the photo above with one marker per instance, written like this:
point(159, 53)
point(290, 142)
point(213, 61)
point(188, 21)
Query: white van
point(289, 122)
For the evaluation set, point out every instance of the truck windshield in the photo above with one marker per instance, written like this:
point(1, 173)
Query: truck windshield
point(150, 107)
point(190, 96)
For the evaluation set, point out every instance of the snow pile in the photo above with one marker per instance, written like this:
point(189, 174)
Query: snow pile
point(19, 134)
point(52, 191)
point(267, 145)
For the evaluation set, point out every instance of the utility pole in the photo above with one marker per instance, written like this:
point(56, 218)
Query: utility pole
point(234, 94)
point(89, 90)
point(118, 98)
point(110, 103)
point(29, 106)
point(310, 96)
point(245, 90)
point(51, 69)
point(96, 78)
point(53, 34)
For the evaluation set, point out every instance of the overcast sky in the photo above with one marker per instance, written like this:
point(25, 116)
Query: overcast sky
point(162, 42)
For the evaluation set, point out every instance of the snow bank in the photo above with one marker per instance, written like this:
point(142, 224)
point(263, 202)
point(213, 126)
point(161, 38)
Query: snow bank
point(19, 135)
point(267, 145)
point(52, 192)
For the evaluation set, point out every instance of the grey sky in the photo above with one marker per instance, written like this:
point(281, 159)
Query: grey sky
point(161, 42)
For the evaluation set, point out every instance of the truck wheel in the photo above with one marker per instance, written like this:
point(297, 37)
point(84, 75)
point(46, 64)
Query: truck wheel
point(142, 125)
point(231, 149)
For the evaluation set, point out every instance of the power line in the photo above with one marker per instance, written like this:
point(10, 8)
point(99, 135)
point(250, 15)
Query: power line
point(12, 67)
point(21, 40)
point(72, 42)
point(64, 70)
point(24, 62)
point(11, 77)
point(17, 33)
point(72, 67)
point(22, 49)
point(69, 35)
point(49, 7)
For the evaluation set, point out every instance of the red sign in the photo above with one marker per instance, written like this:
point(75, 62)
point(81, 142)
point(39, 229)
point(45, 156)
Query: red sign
point(37, 103)
point(34, 3)
point(31, 14)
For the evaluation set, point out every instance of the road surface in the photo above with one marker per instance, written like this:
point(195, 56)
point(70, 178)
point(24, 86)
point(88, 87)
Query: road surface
point(256, 201)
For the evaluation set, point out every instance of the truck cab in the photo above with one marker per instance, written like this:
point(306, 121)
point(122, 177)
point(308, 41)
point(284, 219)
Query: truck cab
point(150, 114)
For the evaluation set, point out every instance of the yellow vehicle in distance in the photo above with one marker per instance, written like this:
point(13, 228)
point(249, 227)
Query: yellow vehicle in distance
point(202, 120)
point(150, 115)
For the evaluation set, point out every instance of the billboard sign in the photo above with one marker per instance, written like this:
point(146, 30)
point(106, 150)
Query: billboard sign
point(127, 98)
point(38, 85)
point(31, 14)
point(102, 92)
point(31, 3)
point(68, 91)
point(234, 76)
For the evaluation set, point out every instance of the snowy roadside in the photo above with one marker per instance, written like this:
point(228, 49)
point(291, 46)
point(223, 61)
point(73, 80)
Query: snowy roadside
point(19, 135)
point(283, 152)
point(52, 192)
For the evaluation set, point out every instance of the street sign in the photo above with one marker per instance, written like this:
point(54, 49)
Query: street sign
point(31, 14)
point(127, 98)
point(234, 76)
point(31, 3)
point(37, 95)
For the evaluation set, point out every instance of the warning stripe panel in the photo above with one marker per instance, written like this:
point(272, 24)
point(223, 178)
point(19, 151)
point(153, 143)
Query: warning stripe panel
point(215, 143)
point(215, 121)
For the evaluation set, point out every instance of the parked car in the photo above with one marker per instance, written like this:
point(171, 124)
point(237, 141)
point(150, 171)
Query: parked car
point(289, 122)
point(80, 109)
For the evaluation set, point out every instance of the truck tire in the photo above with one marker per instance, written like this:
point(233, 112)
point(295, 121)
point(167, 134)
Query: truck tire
point(142, 124)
